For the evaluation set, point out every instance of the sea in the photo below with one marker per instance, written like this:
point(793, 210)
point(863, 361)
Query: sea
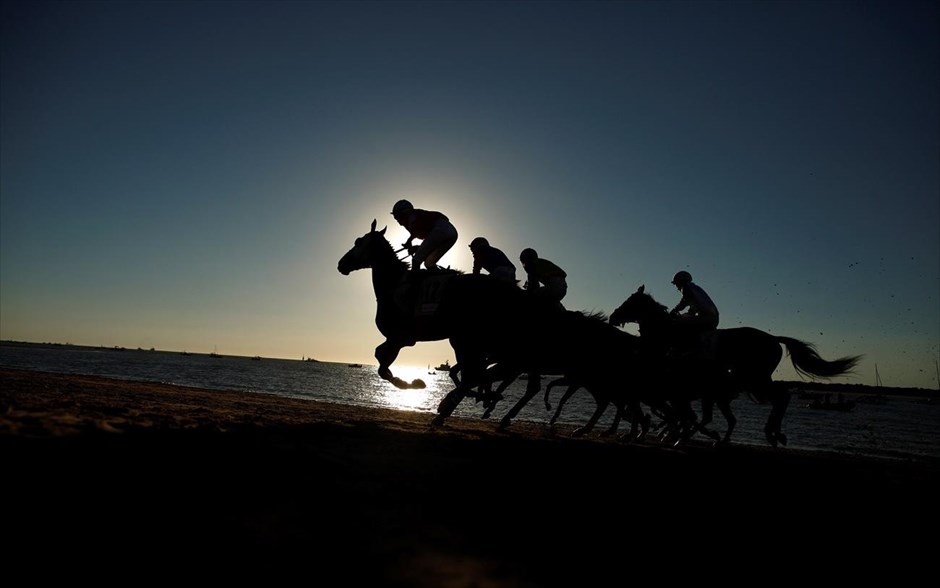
point(894, 426)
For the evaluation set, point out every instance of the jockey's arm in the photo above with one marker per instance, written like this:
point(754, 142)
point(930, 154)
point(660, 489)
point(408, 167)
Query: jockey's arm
point(683, 304)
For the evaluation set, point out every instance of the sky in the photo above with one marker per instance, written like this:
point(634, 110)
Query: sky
point(186, 175)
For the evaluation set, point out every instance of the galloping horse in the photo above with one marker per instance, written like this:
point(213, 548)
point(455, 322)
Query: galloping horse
point(744, 359)
point(469, 310)
point(583, 348)
point(395, 296)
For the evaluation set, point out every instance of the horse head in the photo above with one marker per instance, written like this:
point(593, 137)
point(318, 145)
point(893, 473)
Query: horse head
point(639, 307)
point(366, 251)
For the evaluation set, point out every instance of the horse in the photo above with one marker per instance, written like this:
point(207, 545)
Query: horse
point(408, 302)
point(479, 315)
point(737, 360)
point(583, 348)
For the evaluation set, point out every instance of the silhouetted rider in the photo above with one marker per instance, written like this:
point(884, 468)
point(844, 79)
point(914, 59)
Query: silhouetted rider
point(701, 316)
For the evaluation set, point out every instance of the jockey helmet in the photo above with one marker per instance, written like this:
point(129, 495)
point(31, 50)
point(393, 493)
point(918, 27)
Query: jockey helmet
point(479, 242)
point(682, 278)
point(401, 207)
point(528, 254)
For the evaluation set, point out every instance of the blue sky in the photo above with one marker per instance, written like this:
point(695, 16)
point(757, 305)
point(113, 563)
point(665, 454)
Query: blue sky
point(185, 175)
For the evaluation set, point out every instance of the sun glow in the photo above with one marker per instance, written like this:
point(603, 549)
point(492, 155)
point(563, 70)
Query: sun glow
point(422, 399)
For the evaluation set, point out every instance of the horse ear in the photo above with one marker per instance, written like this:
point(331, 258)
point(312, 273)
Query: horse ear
point(641, 289)
point(373, 226)
point(382, 232)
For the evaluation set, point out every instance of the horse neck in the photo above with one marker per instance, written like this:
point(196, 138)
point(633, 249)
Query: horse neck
point(655, 327)
point(387, 276)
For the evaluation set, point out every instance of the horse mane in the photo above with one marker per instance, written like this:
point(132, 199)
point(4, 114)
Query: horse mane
point(596, 315)
point(655, 303)
point(386, 248)
point(440, 270)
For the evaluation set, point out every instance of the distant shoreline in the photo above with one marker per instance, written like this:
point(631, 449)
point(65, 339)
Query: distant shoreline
point(795, 386)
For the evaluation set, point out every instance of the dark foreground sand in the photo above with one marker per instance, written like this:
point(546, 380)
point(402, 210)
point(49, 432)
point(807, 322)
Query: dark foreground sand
point(125, 482)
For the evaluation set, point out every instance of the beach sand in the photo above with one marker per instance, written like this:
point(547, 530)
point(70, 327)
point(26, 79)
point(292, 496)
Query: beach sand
point(110, 480)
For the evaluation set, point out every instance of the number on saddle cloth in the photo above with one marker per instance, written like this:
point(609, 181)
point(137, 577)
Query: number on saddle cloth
point(429, 294)
point(420, 296)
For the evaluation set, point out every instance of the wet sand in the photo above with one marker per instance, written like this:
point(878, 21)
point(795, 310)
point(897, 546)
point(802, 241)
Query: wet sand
point(114, 479)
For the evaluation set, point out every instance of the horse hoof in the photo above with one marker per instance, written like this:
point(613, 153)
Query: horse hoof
point(782, 438)
point(437, 421)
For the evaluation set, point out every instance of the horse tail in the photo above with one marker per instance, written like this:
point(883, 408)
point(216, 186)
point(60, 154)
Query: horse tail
point(807, 361)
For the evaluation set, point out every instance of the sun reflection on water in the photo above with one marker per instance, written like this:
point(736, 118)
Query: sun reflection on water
point(421, 399)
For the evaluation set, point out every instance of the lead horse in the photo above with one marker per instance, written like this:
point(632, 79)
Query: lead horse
point(745, 359)
point(470, 311)
point(395, 299)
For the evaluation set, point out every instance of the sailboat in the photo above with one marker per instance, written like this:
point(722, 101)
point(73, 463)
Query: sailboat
point(878, 397)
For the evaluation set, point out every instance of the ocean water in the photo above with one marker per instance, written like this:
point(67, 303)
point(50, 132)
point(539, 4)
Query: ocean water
point(902, 427)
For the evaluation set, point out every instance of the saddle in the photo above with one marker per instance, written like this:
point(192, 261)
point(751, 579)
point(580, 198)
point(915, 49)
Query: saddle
point(698, 348)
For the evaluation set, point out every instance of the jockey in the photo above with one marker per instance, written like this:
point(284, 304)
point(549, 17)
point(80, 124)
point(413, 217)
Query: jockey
point(702, 315)
point(493, 260)
point(545, 279)
point(434, 229)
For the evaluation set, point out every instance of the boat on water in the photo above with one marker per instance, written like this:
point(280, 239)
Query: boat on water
point(354, 365)
point(825, 403)
point(444, 367)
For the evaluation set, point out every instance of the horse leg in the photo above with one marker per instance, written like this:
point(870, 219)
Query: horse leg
point(684, 420)
point(452, 372)
point(634, 425)
point(724, 405)
point(548, 389)
point(645, 421)
point(588, 426)
point(780, 400)
point(689, 425)
point(639, 422)
point(472, 367)
point(561, 403)
point(657, 407)
point(447, 405)
point(490, 403)
point(612, 430)
point(386, 354)
point(708, 405)
point(531, 389)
